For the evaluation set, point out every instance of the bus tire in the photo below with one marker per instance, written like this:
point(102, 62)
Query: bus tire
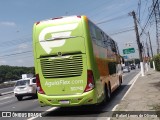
point(105, 95)
point(120, 80)
point(108, 92)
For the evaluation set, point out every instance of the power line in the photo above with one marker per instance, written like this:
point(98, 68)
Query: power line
point(112, 19)
point(148, 18)
point(97, 6)
point(144, 9)
point(11, 43)
point(26, 56)
point(16, 54)
point(22, 37)
point(121, 32)
point(139, 9)
point(103, 10)
point(13, 49)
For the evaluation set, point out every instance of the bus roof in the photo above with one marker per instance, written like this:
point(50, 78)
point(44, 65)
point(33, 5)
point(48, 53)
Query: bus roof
point(59, 18)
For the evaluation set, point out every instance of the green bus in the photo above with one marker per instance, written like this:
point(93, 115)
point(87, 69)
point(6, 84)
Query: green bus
point(76, 63)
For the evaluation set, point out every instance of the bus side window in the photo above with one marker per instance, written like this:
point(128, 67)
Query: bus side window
point(109, 47)
point(92, 31)
point(105, 41)
point(117, 48)
point(113, 46)
point(112, 67)
point(98, 36)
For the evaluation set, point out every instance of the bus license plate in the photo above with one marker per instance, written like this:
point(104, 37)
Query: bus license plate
point(64, 102)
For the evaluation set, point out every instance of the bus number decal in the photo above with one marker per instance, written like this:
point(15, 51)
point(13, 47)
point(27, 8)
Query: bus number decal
point(76, 88)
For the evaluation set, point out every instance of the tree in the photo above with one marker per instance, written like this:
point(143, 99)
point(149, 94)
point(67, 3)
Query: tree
point(13, 72)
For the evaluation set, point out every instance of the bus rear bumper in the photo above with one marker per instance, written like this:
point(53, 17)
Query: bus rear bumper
point(68, 100)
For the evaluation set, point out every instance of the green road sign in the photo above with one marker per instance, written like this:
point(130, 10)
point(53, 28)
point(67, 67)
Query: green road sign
point(128, 50)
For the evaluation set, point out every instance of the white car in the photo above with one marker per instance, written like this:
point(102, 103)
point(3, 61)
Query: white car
point(126, 69)
point(25, 87)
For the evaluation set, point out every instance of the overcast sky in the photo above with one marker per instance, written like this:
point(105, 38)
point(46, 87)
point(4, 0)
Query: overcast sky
point(18, 16)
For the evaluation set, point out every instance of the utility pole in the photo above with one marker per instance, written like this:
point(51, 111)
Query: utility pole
point(147, 47)
point(150, 44)
point(157, 20)
point(148, 56)
point(138, 42)
point(151, 50)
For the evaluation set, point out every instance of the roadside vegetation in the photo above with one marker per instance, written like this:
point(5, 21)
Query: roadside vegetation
point(11, 73)
point(156, 59)
point(8, 84)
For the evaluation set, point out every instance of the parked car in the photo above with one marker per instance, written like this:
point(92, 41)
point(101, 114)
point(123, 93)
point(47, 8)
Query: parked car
point(25, 87)
point(126, 69)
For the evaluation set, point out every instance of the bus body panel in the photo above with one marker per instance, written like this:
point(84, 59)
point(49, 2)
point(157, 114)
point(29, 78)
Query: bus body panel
point(91, 61)
point(63, 76)
point(68, 100)
point(70, 33)
point(61, 62)
point(64, 51)
point(106, 59)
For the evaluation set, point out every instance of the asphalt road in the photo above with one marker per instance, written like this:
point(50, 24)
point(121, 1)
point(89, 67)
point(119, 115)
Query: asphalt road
point(10, 103)
point(6, 89)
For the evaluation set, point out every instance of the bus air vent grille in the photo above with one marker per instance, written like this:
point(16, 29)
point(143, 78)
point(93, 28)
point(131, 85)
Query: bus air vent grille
point(62, 67)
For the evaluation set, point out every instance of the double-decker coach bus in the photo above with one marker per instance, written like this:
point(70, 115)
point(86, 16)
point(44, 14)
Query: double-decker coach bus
point(76, 63)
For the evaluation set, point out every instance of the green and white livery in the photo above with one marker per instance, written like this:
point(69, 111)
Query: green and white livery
point(67, 57)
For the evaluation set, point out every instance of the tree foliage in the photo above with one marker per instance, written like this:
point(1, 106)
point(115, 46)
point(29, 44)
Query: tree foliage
point(157, 62)
point(8, 73)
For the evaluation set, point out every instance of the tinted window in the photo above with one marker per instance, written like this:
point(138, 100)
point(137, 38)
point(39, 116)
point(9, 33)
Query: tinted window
point(113, 46)
point(112, 68)
point(92, 30)
point(117, 48)
point(22, 82)
point(108, 44)
point(34, 80)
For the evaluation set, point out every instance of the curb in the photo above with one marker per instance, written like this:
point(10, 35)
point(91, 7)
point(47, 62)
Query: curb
point(5, 93)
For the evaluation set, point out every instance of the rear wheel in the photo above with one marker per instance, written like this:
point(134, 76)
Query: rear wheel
point(120, 80)
point(19, 98)
point(108, 93)
point(105, 95)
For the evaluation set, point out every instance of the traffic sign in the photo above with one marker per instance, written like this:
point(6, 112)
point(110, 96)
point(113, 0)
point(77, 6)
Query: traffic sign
point(125, 57)
point(128, 50)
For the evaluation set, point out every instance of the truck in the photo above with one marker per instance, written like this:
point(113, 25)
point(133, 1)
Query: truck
point(27, 76)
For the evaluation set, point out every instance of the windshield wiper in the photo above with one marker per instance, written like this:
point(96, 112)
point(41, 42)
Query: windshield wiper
point(58, 38)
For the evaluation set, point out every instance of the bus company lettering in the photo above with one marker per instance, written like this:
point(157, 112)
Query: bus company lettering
point(63, 82)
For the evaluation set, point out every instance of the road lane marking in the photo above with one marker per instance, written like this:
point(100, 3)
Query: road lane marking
point(132, 82)
point(6, 97)
point(114, 108)
point(44, 113)
point(6, 102)
point(6, 88)
point(5, 93)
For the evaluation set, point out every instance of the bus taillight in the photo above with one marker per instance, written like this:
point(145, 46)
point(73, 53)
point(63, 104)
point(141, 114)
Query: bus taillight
point(79, 16)
point(37, 23)
point(90, 81)
point(39, 88)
